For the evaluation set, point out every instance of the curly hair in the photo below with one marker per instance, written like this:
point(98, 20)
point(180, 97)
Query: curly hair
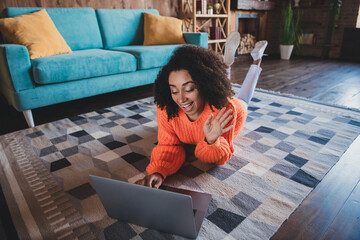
point(206, 68)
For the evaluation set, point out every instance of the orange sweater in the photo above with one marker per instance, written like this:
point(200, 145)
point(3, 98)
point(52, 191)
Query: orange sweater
point(168, 156)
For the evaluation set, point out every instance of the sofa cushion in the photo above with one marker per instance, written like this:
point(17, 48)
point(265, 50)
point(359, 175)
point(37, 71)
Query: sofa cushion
point(37, 32)
point(81, 64)
point(122, 27)
point(150, 56)
point(78, 26)
point(160, 30)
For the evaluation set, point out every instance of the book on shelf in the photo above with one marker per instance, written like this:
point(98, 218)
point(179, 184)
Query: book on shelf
point(307, 39)
point(215, 33)
point(202, 6)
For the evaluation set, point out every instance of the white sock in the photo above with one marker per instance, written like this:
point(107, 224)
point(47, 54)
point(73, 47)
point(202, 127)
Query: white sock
point(248, 87)
point(259, 49)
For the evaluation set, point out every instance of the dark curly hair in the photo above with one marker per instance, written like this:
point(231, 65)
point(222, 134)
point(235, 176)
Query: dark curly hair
point(206, 68)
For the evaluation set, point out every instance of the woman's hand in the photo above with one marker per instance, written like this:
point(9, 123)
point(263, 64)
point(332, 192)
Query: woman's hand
point(214, 128)
point(153, 180)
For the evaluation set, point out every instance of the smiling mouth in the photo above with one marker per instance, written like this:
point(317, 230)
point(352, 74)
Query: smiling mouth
point(187, 107)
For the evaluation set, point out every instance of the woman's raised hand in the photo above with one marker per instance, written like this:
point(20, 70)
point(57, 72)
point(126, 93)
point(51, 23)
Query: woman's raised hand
point(214, 128)
point(153, 180)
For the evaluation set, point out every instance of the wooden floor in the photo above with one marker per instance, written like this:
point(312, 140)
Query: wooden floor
point(332, 210)
point(324, 80)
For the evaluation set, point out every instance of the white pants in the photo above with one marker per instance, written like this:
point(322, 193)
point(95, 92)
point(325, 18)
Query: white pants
point(248, 87)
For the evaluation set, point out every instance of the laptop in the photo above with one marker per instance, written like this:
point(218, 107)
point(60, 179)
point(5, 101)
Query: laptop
point(167, 209)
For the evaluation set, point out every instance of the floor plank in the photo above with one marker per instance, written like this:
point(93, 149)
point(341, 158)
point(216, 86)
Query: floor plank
point(348, 219)
point(312, 219)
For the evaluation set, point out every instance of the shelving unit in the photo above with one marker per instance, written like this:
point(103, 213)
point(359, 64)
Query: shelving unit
point(202, 22)
point(322, 27)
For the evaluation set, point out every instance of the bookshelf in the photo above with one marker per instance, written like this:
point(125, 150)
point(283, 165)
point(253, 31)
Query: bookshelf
point(194, 21)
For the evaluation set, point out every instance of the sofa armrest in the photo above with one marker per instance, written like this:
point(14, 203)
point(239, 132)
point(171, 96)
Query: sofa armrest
point(197, 38)
point(15, 67)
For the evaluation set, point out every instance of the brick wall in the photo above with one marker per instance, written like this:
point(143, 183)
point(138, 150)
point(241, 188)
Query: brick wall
point(272, 29)
point(313, 20)
point(348, 18)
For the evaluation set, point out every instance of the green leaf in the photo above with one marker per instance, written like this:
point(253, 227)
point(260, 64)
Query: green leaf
point(288, 31)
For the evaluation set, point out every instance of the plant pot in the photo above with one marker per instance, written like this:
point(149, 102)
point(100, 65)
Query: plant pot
point(285, 51)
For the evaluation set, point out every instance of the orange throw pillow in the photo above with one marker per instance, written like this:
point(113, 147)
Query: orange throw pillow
point(37, 32)
point(160, 30)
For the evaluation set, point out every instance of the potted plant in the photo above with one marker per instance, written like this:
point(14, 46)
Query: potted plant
point(289, 30)
point(210, 10)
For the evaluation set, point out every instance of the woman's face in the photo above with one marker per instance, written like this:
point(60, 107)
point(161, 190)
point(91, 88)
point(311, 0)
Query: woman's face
point(185, 94)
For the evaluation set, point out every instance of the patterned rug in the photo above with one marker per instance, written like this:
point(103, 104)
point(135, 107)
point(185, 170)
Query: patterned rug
point(286, 148)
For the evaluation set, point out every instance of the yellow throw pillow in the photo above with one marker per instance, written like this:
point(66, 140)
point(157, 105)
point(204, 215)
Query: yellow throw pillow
point(37, 32)
point(160, 30)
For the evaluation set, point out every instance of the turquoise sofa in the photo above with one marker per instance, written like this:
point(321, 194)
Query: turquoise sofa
point(107, 56)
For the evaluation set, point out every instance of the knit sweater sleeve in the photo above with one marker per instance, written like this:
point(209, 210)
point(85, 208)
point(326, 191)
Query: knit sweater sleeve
point(223, 149)
point(169, 155)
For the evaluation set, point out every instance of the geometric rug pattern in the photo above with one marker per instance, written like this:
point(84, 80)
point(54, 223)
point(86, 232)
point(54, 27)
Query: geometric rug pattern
point(287, 146)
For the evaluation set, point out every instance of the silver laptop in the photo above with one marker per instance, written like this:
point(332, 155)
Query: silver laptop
point(171, 210)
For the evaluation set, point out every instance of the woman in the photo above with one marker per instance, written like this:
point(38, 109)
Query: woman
point(195, 105)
